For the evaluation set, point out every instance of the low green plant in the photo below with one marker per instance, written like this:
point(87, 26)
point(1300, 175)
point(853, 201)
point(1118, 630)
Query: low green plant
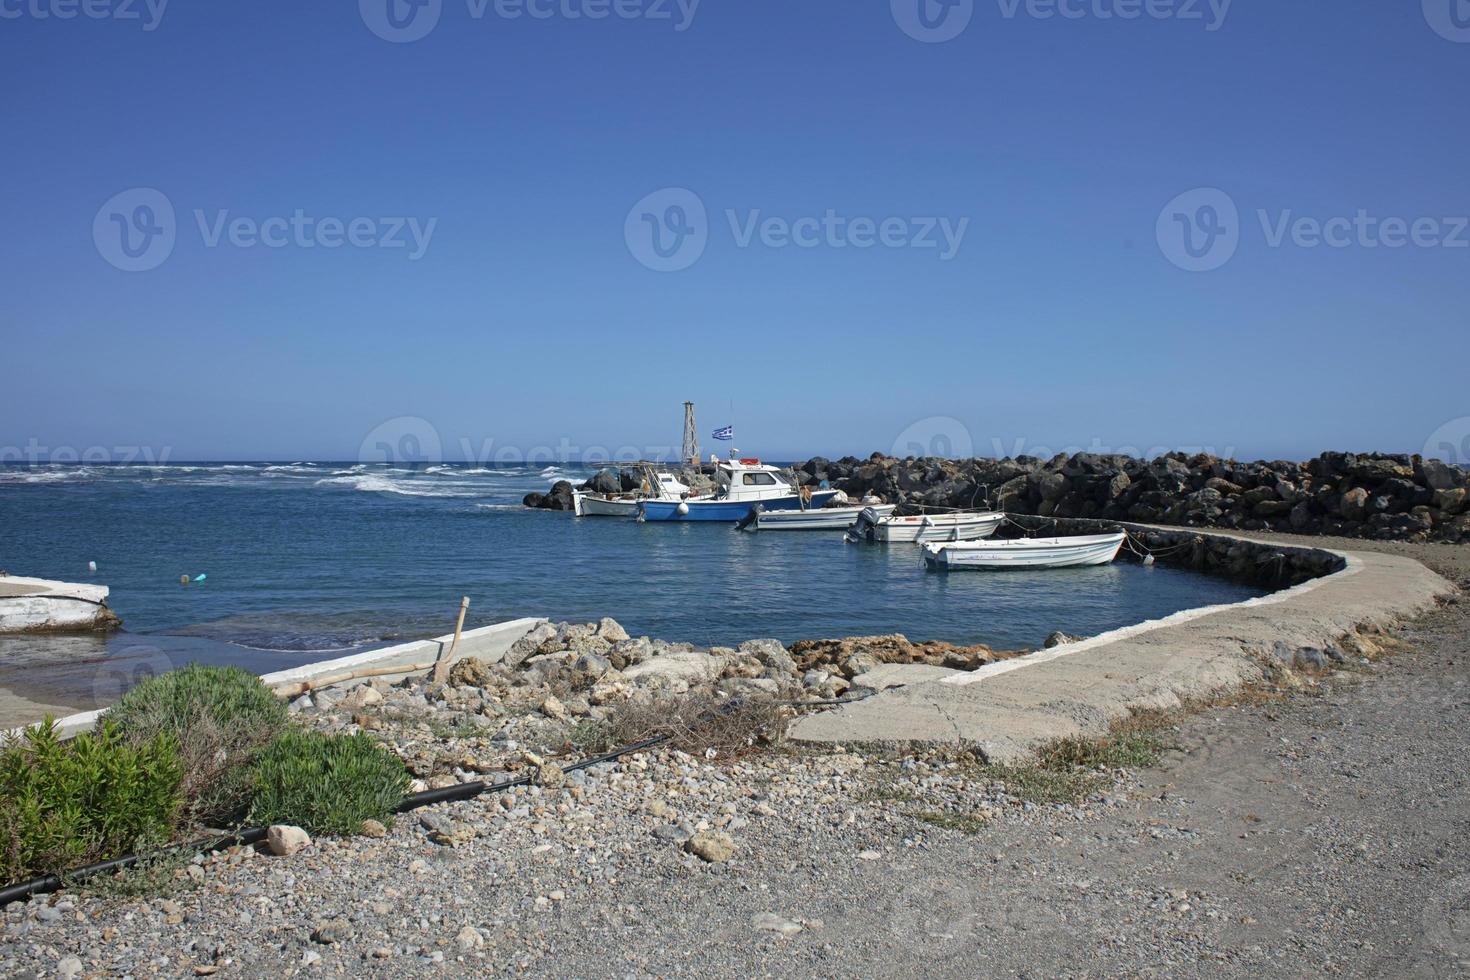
point(221, 718)
point(99, 795)
point(1124, 750)
point(326, 784)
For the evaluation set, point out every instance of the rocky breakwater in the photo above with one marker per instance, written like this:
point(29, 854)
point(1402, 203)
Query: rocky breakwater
point(565, 683)
point(1388, 497)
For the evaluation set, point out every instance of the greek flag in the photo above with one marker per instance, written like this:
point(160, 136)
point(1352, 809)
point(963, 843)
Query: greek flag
point(727, 434)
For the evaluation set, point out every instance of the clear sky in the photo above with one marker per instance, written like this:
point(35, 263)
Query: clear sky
point(978, 241)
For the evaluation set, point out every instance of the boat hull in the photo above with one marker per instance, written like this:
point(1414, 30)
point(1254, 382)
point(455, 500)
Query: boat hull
point(1076, 552)
point(826, 519)
point(941, 527)
point(728, 511)
point(592, 505)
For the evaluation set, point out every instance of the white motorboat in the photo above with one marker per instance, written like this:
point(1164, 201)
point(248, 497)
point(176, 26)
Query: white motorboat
point(1074, 552)
point(956, 525)
point(739, 484)
point(656, 485)
point(823, 519)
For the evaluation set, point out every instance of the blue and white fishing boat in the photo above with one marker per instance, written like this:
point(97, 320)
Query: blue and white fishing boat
point(739, 484)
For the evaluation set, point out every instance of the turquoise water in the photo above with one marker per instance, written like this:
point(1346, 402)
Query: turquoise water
point(308, 560)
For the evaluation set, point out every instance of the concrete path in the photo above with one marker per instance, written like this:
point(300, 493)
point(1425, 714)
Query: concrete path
point(1008, 709)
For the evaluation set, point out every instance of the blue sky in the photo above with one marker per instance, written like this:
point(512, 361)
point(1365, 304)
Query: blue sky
point(526, 313)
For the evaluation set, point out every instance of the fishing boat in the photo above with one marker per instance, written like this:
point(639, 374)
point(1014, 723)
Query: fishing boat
point(955, 525)
point(825, 519)
point(739, 484)
point(1074, 552)
point(656, 485)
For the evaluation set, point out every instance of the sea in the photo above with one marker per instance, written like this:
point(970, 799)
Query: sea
point(293, 562)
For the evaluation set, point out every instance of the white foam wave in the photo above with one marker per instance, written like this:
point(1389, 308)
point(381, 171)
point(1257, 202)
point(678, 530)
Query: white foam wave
point(374, 483)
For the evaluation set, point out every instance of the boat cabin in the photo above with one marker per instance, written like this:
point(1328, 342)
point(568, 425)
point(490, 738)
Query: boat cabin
point(749, 479)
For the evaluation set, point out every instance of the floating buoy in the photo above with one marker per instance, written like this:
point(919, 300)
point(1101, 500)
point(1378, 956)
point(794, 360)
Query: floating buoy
point(183, 580)
point(1148, 559)
point(200, 577)
point(92, 566)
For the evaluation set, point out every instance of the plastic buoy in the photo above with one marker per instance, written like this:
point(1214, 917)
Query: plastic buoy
point(183, 580)
point(1148, 559)
point(200, 577)
point(683, 508)
point(91, 566)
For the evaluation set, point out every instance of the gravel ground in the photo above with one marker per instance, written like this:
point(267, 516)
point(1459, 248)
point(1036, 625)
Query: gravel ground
point(1323, 833)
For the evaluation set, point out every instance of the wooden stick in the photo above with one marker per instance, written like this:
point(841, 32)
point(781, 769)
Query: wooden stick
point(291, 689)
point(441, 667)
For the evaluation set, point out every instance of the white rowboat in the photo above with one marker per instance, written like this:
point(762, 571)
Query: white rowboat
point(823, 519)
point(963, 525)
point(1075, 552)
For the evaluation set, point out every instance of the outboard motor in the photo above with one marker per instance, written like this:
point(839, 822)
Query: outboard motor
point(748, 522)
point(862, 528)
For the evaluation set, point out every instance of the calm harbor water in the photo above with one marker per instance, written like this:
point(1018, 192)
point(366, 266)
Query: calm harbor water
point(306, 561)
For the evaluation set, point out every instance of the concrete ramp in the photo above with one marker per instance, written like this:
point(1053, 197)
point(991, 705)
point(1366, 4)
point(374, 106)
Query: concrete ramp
point(1008, 709)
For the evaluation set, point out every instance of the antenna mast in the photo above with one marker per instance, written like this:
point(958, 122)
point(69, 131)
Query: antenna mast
point(691, 436)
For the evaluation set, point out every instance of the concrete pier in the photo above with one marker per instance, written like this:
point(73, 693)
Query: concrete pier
point(1008, 709)
point(38, 605)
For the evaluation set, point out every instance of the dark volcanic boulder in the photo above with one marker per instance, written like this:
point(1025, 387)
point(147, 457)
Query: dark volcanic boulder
point(560, 497)
point(604, 481)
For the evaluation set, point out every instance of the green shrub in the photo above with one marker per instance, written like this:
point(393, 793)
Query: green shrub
point(94, 797)
point(326, 784)
point(221, 717)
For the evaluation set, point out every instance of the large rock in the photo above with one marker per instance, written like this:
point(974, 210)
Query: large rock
point(605, 481)
point(686, 668)
point(284, 840)
point(530, 644)
point(771, 653)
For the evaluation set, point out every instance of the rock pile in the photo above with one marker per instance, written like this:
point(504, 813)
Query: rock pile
point(1371, 496)
point(562, 683)
point(1388, 497)
point(854, 655)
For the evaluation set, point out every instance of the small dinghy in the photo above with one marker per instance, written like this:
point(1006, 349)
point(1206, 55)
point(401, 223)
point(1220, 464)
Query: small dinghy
point(822, 519)
point(1075, 552)
point(958, 525)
